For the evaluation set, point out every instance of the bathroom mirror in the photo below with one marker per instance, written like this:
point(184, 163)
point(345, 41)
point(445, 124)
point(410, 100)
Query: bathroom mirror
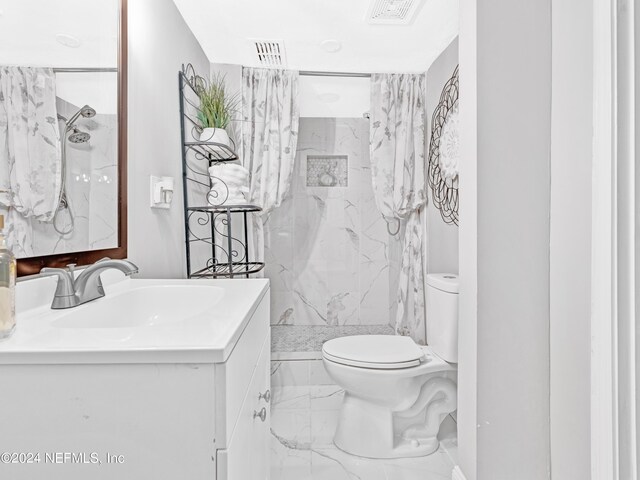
point(63, 131)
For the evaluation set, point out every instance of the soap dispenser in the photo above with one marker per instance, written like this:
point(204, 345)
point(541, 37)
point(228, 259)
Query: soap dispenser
point(7, 287)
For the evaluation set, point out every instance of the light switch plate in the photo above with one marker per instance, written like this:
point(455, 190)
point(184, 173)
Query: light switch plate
point(161, 192)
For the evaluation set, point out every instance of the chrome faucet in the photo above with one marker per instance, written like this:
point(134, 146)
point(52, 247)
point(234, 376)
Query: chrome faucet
point(65, 296)
point(72, 292)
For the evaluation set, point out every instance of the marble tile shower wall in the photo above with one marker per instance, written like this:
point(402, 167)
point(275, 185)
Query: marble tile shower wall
point(327, 249)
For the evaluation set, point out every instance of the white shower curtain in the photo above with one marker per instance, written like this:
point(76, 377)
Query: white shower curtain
point(29, 142)
point(30, 154)
point(397, 143)
point(269, 138)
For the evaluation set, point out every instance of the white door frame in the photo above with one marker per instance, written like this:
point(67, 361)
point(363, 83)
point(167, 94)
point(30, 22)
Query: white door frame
point(613, 244)
point(603, 241)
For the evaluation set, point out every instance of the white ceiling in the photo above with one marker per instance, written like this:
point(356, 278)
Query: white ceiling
point(224, 27)
point(28, 31)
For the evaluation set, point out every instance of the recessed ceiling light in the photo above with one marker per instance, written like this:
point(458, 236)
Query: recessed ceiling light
point(329, 97)
point(331, 46)
point(68, 40)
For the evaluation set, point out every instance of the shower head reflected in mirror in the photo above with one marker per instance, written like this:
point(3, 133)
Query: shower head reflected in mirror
point(87, 112)
point(84, 112)
point(78, 136)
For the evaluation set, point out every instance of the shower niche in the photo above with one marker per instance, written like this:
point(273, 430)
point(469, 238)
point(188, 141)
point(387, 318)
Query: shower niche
point(327, 171)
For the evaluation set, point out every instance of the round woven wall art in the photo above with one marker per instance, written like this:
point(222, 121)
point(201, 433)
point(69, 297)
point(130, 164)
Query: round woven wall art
point(444, 153)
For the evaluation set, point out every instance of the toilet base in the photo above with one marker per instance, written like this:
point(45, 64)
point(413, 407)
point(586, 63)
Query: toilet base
point(369, 430)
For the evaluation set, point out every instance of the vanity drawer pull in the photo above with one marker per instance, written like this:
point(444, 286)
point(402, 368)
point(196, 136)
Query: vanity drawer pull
point(266, 396)
point(262, 414)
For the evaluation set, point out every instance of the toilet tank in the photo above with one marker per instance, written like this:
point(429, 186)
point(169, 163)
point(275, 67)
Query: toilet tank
point(442, 315)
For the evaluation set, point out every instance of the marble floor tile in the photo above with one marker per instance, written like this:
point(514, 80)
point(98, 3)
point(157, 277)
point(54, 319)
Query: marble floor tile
point(289, 462)
point(323, 427)
point(436, 466)
point(333, 464)
point(291, 428)
point(290, 443)
point(302, 443)
point(325, 397)
point(291, 398)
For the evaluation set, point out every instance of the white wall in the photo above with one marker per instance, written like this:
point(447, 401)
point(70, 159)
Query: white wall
point(28, 30)
point(570, 282)
point(468, 244)
point(159, 43)
point(334, 97)
point(353, 94)
point(99, 90)
point(506, 111)
point(303, 25)
point(442, 239)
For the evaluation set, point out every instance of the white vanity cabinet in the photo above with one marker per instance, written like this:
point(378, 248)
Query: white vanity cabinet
point(243, 406)
point(157, 411)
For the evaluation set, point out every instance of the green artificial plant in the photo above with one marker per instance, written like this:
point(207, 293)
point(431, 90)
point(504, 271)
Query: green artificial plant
point(217, 107)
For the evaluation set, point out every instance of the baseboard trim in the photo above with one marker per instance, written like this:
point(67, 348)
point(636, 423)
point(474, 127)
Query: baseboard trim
point(456, 474)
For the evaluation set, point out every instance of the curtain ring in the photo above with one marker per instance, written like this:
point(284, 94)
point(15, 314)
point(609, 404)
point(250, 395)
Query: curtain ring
point(393, 234)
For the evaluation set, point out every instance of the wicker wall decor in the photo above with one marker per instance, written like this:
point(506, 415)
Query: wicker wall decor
point(444, 152)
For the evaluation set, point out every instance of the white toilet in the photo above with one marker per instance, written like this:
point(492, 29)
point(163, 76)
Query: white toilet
point(396, 392)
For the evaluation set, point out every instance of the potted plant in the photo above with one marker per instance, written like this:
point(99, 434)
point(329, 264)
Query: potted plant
point(217, 108)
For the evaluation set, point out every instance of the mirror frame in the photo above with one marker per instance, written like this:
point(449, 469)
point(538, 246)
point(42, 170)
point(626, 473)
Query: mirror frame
point(33, 265)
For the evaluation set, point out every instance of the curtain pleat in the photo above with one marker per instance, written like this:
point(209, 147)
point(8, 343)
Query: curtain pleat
point(269, 138)
point(30, 154)
point(397, 144)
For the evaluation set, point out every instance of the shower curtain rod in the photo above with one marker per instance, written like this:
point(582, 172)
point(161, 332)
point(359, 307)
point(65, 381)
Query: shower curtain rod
point(310, 73)
point(85, 70)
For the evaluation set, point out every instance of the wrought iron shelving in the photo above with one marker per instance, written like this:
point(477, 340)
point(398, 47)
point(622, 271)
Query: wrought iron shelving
point(226, 270)
point(211, 151)
point(216, 233)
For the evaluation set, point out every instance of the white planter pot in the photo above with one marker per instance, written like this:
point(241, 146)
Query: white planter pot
point(215, 135)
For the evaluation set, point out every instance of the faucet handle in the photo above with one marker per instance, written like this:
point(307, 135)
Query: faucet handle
point(72, 269)
point(65, 286)
point(54, 272)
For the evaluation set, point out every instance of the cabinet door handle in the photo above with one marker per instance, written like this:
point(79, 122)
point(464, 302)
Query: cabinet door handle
point(262, 414)
point(266, 396)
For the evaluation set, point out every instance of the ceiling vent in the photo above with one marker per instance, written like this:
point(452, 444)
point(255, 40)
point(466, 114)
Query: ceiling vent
point(269, 53)
point(393, 12)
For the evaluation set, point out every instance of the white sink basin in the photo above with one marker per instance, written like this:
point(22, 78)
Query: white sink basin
point(143, 307)
point(139, 320)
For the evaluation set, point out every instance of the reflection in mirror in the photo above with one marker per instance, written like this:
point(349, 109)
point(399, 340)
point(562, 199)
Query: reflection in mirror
point(59, 126)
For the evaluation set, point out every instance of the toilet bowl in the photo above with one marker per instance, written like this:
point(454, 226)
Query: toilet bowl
point(397, 393)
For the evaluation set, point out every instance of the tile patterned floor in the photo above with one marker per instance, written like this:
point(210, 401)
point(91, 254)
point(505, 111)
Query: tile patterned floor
point(303, 420)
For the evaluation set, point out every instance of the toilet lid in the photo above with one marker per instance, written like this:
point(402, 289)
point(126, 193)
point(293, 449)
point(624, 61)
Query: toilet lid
point(373, 351)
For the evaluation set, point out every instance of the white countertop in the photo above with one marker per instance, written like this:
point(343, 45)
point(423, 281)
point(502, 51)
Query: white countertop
point(207, 335)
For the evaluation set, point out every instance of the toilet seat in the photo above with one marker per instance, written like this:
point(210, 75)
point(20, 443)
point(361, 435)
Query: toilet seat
point(384, 352)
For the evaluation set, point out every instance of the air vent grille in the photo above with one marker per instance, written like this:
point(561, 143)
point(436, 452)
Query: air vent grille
point(270, 53)
point(388, 12)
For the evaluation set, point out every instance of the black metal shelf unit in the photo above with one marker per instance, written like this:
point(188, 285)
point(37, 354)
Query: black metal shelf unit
point(216, 233)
